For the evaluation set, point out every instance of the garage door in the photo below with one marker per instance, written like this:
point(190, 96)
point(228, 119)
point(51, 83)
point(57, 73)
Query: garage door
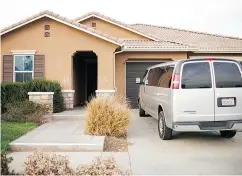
point(135, 70)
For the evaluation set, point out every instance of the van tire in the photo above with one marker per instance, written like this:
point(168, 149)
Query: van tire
point(228, 134)
point(141, 111)
point(165, 133)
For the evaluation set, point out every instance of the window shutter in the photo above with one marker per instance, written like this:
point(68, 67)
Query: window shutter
point(39, 66)
point(8, 68)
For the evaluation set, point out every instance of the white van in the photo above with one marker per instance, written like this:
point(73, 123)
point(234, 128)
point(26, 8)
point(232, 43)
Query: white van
point(193, 95)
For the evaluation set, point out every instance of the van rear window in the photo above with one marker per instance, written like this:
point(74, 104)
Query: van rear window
point(196, 76)
point(227, 75)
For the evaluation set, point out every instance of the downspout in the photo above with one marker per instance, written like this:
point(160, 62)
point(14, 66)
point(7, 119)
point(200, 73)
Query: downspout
point(114, 65)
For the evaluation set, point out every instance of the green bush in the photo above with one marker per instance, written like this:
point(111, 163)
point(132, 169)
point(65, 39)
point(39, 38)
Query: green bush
point(17, 92)
point(25, 111)
point(12, 92)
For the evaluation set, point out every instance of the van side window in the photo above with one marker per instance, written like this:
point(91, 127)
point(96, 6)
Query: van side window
point(165, 79)
point(144, 77)
point(196, 75)
point(227, 75)
point(154, 76)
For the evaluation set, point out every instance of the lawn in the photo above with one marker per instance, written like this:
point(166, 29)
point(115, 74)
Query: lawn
point(13, 130)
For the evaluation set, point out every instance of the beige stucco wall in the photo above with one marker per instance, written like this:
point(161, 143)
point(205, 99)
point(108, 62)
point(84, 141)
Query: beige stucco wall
point(112, 29)
point(59, 48)
point(123, 57)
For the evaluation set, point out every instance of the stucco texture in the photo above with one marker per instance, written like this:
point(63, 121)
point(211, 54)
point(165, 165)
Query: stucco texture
point(59, 48)
point(112, 30)
point(121, 59)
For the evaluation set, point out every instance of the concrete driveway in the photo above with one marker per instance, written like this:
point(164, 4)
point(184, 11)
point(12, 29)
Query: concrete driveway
point(186, 153)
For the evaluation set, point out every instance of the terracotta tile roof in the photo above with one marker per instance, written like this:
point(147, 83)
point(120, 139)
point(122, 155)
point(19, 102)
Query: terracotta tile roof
point(63, 20)
point(202, 41)
point(127, 26)
point(155, 45)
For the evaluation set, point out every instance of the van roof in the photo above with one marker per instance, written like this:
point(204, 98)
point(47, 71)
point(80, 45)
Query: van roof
point(188, 60)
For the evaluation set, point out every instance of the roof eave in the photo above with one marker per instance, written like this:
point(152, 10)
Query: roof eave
point(218, 51)
point(157, 49)
point(61, 21)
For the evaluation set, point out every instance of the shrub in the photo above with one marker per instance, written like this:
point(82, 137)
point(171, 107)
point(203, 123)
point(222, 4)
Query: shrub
point(100, 166)
point(41, 85)
point(25, 111)
point(46, 163)
point(109, 116)
point(12, 92)
point(4, 164)
point(17, 92)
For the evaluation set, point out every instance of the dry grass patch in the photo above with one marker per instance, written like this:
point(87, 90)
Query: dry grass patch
point(107, 116)
point(114, 144)
point(100, 166)
point(47, 163)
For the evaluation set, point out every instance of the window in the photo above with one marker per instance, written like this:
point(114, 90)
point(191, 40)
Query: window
point(227, 75)
point(94, 25)
point(144, 77)
point(196, 75)
point(23, 68)
point(154, 75)
point(165, 79)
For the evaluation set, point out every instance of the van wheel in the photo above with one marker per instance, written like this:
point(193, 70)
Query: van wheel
point(228, 134)
point(141, 111)
point(165, 133)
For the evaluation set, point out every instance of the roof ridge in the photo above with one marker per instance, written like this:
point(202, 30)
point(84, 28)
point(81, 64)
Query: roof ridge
point(192, 31)
point(66, 20)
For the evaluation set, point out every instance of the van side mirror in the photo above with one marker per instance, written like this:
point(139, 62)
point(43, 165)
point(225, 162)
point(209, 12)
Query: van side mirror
point(137, 81)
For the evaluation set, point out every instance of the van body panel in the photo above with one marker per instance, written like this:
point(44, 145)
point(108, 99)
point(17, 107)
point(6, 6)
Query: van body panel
point(192, 103)
point(161, 97)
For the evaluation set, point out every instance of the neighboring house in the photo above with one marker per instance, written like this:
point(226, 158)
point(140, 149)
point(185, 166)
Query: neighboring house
point(97, 53)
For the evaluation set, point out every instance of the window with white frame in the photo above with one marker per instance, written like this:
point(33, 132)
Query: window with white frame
point(23, 67)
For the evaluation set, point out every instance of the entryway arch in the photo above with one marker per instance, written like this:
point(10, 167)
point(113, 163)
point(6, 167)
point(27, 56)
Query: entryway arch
point(84, 76)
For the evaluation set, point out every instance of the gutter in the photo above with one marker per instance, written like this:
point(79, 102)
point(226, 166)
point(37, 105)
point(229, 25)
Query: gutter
point(114, 64)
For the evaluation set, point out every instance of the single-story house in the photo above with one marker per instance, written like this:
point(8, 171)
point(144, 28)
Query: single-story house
point(98, 54)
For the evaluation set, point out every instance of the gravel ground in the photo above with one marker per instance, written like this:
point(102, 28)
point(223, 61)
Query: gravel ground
point(114, 144)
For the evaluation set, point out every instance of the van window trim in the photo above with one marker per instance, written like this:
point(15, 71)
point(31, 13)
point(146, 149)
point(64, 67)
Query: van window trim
point(225, 61)
point(198, 61)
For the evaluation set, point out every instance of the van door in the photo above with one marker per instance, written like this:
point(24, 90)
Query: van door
point(194, 100)
point(143, 92)
point(228, 91)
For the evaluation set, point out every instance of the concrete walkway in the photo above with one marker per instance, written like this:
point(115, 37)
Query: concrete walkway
point(59, 135)
point(185, 154)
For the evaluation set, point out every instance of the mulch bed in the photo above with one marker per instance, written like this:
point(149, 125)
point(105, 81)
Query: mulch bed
point(114, 144)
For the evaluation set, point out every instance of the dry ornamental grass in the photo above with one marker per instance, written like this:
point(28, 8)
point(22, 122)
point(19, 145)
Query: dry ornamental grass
point(46, 163)
point(107, 116)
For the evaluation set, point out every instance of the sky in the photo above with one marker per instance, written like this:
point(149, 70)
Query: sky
point(213, 16)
